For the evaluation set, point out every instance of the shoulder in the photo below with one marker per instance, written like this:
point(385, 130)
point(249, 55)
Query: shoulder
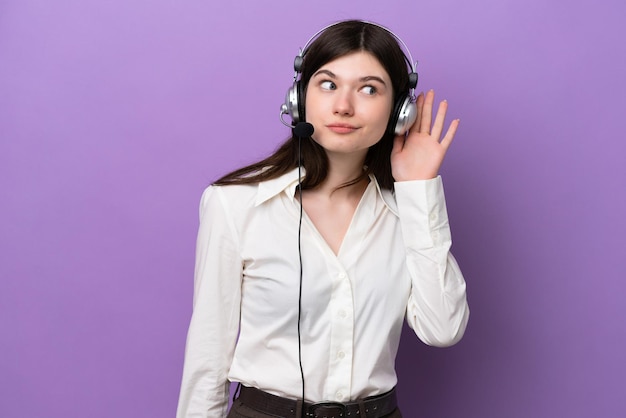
point(237, 198)
point(229, 197)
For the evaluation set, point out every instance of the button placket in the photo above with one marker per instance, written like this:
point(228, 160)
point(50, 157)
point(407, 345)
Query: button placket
point(341, 337)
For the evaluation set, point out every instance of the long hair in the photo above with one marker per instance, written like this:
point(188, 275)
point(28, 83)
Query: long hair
point(336, 41)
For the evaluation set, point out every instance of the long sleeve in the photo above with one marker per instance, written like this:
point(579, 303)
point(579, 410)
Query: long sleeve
point(214, 324)
point(437, 309)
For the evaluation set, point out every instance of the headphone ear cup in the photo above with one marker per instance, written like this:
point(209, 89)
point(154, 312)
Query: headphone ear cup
point(301, 100)
point(291, 106)
point(404, 115)
point(294, 103)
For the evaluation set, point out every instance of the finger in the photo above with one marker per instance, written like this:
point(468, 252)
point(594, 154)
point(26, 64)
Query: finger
point(447, 140)
point(427, 112)
point(419, 105)
point(439, 120)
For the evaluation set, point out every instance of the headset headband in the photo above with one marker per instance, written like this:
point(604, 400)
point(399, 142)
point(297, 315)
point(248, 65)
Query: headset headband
point(297, 65)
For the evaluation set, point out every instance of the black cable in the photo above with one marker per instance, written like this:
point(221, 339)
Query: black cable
point(300, 257)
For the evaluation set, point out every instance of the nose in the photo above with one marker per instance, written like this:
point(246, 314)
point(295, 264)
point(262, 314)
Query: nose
point(343, 104)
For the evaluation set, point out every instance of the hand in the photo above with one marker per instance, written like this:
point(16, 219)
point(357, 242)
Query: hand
point(419, 155)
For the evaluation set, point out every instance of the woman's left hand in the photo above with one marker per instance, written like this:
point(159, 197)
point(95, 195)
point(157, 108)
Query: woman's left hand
point(419, 155)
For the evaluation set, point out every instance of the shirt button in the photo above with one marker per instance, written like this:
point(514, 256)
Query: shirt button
point(433, 216)
point(342, 313)
point(342, 275)
point(341, 354)
point(339, 396)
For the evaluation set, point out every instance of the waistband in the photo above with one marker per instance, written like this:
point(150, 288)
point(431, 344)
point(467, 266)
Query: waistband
point(371, 407)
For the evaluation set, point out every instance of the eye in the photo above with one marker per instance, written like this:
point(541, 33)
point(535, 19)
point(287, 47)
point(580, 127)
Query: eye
point(369, 90)
point(328, 85)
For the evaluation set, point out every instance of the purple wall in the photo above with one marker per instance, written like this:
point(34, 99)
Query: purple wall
point(115, 115)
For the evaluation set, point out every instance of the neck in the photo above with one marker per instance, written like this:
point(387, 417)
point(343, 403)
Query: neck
point(343, 169)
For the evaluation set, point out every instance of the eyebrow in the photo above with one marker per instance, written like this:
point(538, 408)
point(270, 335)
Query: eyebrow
point(366, 78)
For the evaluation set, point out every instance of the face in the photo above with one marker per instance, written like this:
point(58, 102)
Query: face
point(348, 101)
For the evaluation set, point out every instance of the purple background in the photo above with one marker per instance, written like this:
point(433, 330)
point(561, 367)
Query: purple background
point(114, 115)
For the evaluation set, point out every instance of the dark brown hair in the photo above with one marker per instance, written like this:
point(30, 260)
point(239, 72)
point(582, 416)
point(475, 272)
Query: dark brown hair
point(336, 41)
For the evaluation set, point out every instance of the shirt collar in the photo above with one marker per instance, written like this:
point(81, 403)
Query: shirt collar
point(270, 188)
point(288, 182)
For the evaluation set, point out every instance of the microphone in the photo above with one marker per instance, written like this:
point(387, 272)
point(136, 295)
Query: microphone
point(303, 130)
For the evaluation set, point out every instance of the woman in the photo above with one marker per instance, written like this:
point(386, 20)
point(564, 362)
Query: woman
point(301, 288)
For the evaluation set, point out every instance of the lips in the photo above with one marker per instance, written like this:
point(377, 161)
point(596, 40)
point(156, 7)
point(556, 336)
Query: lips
point(342, 128)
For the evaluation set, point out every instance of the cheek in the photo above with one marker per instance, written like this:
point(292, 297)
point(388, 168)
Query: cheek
point(311, 105)
point(383, 115)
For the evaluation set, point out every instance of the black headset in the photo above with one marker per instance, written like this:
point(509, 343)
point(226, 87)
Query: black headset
point(404, 111)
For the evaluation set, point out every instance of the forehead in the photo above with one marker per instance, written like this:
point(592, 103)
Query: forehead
point(356, 65)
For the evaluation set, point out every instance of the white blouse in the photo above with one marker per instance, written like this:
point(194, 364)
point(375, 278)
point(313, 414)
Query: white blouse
point(394, 261)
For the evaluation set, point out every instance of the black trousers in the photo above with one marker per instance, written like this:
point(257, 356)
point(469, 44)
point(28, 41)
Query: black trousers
point(239, 410)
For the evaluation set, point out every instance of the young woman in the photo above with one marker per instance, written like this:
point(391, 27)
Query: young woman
point(301, 287)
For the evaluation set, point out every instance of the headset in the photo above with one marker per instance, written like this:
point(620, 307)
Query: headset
point(404, 111)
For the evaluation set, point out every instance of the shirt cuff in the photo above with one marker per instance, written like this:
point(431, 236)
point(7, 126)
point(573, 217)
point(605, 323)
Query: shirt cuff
point(423, 214)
